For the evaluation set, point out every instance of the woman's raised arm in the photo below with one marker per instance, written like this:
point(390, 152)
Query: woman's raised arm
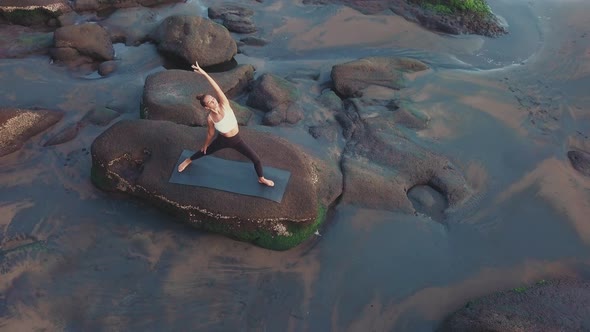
point(220, 94)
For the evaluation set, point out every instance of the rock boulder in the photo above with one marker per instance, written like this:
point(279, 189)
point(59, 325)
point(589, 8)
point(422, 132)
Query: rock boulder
point(351, 78)
point(33, 12)
point(84, 40)
point(18, 125)
point(137, 157)
point(278, 98)
point(195, 38)
point(580, 161)
point(557, 305)
point(235, 18)
point(171, 95)
point(380, 164)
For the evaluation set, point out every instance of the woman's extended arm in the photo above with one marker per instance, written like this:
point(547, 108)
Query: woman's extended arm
point(220, 95)
point(210, 134)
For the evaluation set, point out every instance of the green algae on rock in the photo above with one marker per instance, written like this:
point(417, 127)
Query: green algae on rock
point(478, 7)
point(33, 12)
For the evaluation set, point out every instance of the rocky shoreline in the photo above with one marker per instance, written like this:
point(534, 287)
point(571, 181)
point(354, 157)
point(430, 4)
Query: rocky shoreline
point(452, 22)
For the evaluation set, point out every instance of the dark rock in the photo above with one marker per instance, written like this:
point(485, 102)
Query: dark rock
point(87, 39)
point(33, 12)
point(293, 114)
point(557, 305)
point(328, 132)
point(194, 38)
point(428, 201)
point(219, 12)
point(71, 18)
point(275, 118)
point(19, 125)
point(243, 113)
point(303, 74)
point(371, 185)
point(70, 56)
point(86, 5)
point(369, 7)
point(107, 68)
point(580, 161)
point(171, 95)
point(330, 99)
point(107, 6)
point(437, 23)
point(278, 98)
point(351, 78)
point(65, 135)
point(290, 113)
point(234, 18)
point(380, 164)
point(18, 42)
point(452, 23)
point(132, 26)
point(120, 163)
point(100, 116)
point(405, 114)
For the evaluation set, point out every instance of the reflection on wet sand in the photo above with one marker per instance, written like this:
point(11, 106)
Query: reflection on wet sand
point(564, 188)
point(507, 113)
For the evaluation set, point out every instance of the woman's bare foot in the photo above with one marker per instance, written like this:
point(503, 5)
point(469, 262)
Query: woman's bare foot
point(265, 181)
point(184, 164)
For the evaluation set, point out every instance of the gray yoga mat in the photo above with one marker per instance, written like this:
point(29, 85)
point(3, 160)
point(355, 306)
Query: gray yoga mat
point(231, 176)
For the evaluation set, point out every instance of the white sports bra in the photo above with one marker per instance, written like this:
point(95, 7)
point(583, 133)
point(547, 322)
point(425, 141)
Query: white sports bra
point(226, 124)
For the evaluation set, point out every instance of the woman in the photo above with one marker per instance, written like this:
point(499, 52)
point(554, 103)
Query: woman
point(222, 118)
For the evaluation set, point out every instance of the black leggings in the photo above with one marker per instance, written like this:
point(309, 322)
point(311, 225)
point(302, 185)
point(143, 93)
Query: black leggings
point(236, 143)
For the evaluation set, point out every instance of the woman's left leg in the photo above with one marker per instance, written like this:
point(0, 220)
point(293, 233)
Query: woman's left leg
point(247, 151)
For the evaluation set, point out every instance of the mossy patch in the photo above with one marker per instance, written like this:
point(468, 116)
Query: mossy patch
point(27, 17)
point(267, 238)
point(263, 235)
point(523, 289)
point(449, 7)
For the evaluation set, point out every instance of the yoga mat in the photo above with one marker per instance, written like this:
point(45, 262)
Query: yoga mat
point(231, 176)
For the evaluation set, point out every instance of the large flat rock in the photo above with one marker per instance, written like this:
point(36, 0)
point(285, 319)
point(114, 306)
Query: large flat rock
point(137, 157)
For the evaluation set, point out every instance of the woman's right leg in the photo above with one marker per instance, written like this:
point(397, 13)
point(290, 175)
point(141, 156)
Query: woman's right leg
point(220, 142)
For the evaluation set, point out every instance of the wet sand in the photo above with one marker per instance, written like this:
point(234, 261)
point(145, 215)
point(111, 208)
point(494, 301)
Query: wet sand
point(506, 111)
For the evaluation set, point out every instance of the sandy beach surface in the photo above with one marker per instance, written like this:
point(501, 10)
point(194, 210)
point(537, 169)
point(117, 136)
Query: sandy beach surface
point(505, 110)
